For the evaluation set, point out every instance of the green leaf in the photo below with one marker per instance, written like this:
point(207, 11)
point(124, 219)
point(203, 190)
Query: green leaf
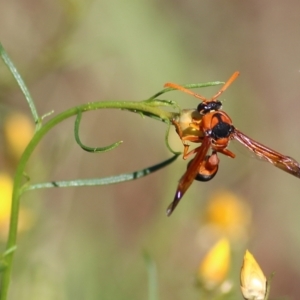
point(103, 181)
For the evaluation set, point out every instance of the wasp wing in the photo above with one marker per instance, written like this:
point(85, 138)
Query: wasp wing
point(190, 174)
point(280, 161)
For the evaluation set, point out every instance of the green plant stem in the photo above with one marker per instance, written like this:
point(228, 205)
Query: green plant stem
point(152, 277)
point(141, 107)
point(21, 84)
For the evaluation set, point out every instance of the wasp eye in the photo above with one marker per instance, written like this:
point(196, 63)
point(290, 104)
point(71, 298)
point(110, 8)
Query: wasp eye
point(202, 108)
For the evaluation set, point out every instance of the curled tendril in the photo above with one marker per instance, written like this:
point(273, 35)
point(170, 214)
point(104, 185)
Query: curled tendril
point(91, 149)
point(167, 140)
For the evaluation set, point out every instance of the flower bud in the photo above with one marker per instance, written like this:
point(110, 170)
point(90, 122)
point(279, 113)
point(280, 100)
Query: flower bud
point(253, 280)
point(214, 268)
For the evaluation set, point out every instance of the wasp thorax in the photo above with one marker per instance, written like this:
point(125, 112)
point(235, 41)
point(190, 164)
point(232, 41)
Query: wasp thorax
point(221, 130)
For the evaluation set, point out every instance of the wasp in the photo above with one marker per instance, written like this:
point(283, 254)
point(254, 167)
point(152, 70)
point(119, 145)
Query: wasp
point(212, 127)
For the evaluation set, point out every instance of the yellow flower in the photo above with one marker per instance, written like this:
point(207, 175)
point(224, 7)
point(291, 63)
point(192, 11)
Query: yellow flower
point(18, 130)
point(214, 268)
point(253, 280)
point(26, 216)
point(6, 186)
point(229, 214)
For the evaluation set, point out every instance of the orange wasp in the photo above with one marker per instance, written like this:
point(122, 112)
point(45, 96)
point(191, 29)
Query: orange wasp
point(212, 127)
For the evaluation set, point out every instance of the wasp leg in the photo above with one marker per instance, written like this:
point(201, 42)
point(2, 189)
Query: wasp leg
point(227, 153)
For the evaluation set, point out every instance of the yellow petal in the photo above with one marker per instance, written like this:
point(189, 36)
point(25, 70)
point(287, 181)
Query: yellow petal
point(214, 268)
point(6, 186)
point(253, 280)
point(26, 217)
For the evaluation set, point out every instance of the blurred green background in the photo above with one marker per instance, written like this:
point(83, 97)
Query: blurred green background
point(88, 243)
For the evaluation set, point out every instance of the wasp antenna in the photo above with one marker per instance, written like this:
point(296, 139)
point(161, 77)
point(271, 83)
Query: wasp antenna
point(185, 90)
point(226, 85)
